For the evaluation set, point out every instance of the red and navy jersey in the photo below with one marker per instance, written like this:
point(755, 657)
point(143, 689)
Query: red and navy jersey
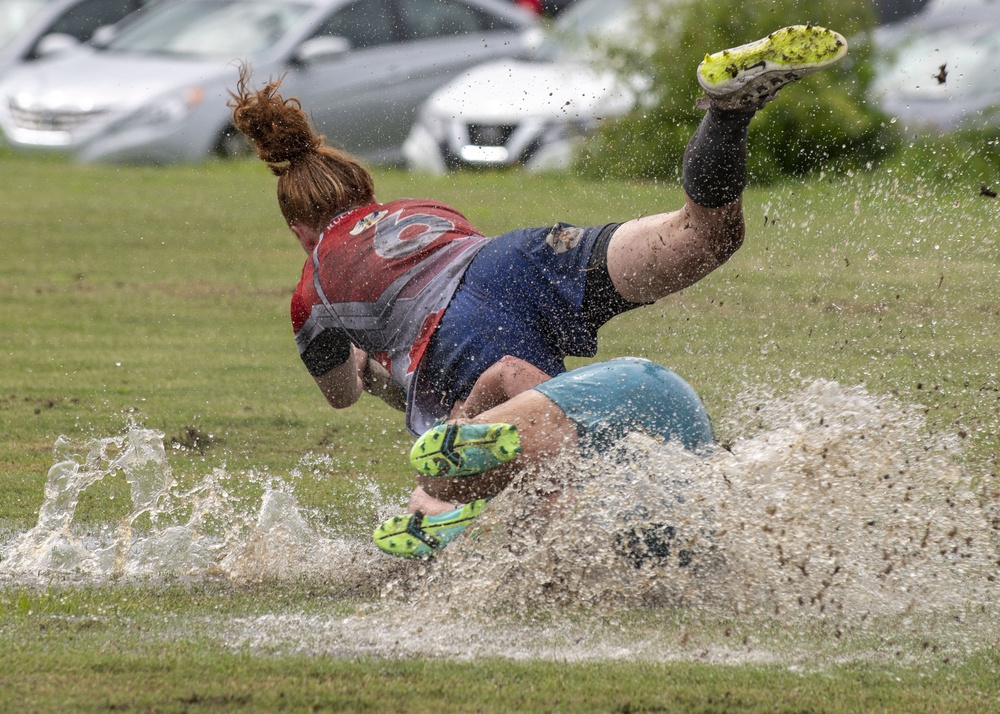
point(384, 274)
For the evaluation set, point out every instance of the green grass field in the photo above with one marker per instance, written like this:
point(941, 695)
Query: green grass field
point(159, 297)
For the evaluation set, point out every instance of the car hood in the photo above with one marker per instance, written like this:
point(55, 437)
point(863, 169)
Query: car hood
point(96, 81)
point(511, 90)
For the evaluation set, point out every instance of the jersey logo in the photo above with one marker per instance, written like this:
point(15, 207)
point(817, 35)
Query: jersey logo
point(563, 238)
point(398, 237)
point(368, 221)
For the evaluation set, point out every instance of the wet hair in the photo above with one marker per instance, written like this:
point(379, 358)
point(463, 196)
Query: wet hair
point(315, 181)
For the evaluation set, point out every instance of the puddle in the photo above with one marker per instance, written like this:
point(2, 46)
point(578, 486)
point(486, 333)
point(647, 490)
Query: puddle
point(834, 509)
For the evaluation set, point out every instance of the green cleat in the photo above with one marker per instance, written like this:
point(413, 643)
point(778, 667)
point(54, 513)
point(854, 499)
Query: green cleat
point(415, 535)
point(452, 450)
point(749, 76)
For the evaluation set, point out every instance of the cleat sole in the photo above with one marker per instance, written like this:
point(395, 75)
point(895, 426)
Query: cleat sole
point(454, 451)
point(751, 74)
point(419, 536)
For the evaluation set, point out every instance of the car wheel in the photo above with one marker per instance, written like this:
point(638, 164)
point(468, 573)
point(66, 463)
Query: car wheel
point(232, 144)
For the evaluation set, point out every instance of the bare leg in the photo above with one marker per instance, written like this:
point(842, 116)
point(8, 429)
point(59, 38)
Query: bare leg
point(422, 501)
point(653, 256)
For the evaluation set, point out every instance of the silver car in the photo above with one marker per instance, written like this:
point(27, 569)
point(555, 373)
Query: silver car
point(30, 29)
point(156, 91)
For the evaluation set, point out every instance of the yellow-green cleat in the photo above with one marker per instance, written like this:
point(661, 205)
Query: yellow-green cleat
point(453, 450)
point(415, 535)
point(748, 76)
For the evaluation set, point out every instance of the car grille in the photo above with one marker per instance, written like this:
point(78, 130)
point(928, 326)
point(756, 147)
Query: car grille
point(51, 120)
point(490, 134)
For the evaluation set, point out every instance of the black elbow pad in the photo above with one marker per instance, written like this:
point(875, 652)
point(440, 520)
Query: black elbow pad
point(331, 348)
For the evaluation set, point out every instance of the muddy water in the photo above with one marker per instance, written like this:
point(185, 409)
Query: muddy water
point(833, 510)
point(840, 508)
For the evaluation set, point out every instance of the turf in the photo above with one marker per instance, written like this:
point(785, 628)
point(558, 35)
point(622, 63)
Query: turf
point(160, 297)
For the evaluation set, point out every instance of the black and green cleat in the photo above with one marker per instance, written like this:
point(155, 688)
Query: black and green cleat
point(453, 450)
point(749, 76)
point(415, 535)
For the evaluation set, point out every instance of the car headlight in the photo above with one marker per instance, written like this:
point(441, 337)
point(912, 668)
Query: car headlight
point(165, 110)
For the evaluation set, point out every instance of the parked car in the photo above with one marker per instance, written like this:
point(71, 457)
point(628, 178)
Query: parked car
point(30, 29)
point(936, 71)
point(157, 90)
point(889, 11)
point(529, 111)
point(548, 8)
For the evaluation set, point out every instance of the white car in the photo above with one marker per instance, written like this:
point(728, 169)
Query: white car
point(157, 90)
point(530, 111)
point(31, 29)
point(937, 71)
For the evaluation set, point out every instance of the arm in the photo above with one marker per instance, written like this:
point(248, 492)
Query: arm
point(503, 380)
point(337, 366)
point(378, 382)
point(342, 385)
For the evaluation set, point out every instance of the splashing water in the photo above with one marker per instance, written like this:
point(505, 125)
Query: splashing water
point(838, 508)
point(841, 508)
point(205, 532)
point(50, 546)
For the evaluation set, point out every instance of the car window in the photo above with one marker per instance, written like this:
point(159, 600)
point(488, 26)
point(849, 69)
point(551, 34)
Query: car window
point(585, 29)
point(424, 19)
point(83, 19)
point(365, 23)
point(596, 16)
point(223, 28)
point(15, 15)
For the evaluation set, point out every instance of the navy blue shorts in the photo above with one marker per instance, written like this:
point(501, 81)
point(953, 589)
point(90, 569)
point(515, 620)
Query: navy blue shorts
point(521, 296)
point(608, 400)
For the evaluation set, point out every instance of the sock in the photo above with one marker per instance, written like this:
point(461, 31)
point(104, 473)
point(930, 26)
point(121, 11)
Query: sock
point(715, 161)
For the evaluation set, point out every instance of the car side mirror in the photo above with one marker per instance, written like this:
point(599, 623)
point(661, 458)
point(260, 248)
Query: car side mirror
point(55, 42)
point(532, 39)
point(322, 48)
point(103, 35)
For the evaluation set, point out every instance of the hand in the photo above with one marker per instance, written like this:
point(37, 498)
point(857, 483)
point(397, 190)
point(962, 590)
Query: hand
point(458, 410)
point(378, 382)
point(360, 360)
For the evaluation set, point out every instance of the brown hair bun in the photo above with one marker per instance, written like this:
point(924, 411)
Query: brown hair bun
point(278, 127)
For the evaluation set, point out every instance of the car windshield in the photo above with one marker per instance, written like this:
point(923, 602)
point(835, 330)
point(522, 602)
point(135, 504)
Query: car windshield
point(15, 16)
point(219, 28)
point(596, 17)
point(967, 54)
point(585, 24)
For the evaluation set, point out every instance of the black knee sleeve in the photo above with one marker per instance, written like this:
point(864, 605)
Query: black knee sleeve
point(715, 161)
